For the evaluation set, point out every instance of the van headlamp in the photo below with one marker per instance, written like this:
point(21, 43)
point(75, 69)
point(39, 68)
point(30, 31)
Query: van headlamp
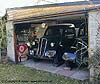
point(52, 44)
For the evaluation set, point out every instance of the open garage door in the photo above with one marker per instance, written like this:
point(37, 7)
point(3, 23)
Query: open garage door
point(38, 33)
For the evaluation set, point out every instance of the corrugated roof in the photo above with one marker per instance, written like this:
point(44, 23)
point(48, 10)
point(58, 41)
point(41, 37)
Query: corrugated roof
point(34, 11)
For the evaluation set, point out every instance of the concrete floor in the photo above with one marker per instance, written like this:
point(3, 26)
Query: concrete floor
point(82, 74)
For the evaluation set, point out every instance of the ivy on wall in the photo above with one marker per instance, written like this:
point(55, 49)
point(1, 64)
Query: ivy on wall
point(95, 59)
point(3, 41)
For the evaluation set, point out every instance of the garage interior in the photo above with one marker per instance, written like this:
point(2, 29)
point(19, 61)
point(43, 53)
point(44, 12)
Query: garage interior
point(24, 29)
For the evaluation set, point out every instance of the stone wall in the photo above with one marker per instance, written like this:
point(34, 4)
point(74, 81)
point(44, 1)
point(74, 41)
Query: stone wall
point(10, 41)
point(93, 26)
point(98, 36)
point(94, 36)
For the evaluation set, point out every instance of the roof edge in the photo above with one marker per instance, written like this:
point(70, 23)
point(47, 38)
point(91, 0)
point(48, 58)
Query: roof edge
point(56, 4)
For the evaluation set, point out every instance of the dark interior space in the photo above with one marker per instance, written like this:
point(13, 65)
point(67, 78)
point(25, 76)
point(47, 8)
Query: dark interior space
point(44, 45)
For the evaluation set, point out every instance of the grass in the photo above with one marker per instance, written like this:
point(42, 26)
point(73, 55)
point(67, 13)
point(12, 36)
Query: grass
point(19, 74)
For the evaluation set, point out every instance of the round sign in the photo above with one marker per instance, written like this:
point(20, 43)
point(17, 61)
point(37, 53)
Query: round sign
point(21, 48)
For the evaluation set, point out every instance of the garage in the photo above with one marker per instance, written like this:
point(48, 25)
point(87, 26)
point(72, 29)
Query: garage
point(27, 22)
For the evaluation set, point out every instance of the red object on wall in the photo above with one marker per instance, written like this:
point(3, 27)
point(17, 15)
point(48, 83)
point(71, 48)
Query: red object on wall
point(21, 48)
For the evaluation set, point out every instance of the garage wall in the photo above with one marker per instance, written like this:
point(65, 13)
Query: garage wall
point(10, 41)
point(94, 17)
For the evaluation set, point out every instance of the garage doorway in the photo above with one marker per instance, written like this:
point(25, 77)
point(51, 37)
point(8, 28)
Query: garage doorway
point(24, 31)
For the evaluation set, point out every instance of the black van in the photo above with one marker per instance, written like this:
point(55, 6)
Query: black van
point(56, 40)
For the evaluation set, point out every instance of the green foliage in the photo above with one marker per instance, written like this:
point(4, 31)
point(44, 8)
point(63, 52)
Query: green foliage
point(95, 59)
point(95, 63)
point(3, 42)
